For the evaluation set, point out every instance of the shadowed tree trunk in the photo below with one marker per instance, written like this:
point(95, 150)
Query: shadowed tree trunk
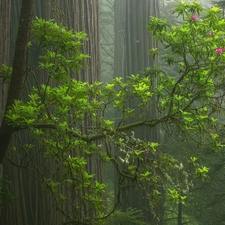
point(5, 9)
point(132, 43)
point(32, 205)
point(18, 70)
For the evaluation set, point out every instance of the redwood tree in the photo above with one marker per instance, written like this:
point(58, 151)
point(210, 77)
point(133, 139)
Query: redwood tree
point(132, 43)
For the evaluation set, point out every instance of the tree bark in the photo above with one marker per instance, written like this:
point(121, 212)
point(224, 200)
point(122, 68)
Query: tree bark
point(18, 71)
point(5, 9)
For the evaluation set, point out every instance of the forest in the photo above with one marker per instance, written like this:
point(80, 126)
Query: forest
point(112, 112)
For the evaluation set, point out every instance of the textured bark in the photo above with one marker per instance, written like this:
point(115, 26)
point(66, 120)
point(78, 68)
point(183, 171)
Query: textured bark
point(132, 40)
point(132, 43)
point(18, 70)
point(5, 9)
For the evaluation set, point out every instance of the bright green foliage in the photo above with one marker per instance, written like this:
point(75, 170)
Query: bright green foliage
point(202, 172)
point(174, 196)
point(5, 73)
point(61, 50)
point(66, 116)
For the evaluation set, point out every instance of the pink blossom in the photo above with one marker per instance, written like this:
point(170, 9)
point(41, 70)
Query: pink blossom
point(219, 51)
point(194, 17)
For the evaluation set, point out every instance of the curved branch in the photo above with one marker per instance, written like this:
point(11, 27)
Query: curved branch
point(101, 134)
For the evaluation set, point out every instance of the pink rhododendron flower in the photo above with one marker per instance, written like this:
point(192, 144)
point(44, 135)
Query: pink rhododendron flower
point(219, 51)
point(194, 17)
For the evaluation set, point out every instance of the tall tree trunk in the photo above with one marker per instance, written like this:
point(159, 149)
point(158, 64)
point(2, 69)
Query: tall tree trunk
point(32, 205)
point(18, 71)
point(132, 43)
point(5, 10)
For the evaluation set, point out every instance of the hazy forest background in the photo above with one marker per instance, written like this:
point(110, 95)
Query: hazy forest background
point(32, 189)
